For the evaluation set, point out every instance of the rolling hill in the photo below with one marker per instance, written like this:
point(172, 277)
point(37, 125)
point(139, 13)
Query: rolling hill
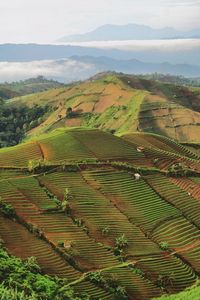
point(29, 86)
point(116, 217)
point(121, 103)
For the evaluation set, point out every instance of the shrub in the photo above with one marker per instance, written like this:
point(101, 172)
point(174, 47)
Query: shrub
point(121, 242)
point(164, 245)
point(6, 209)
point(36, 164)
point(120, 293)
point(105, 230)
point(178, 169)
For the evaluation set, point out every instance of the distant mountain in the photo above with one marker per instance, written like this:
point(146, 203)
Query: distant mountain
point(130, 32)
point(134, 66)
point(77, 68)
point(34, 52)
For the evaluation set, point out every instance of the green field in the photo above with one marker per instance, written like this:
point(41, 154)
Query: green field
point(71, 200)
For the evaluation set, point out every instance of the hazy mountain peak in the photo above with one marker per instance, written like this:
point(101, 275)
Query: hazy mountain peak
point(130, 32)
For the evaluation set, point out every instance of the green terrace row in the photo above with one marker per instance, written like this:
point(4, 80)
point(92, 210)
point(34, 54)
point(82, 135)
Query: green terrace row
point(189, 185)
point(66, 146)
point(87, 205)
point(18, 156)
point(135, 198)
point(166, 156)
point(180, 236)
point(23, 244)
point(160, 142)
point(189, 206)
point(104, 221)
point(58, 228)
point(143, 206)
point(95, 210)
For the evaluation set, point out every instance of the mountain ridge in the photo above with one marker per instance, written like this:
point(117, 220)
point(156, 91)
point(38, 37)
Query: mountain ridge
point(130, 32)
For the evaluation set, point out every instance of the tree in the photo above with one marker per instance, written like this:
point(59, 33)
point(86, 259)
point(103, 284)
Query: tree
point(69, 112)
point(121, 242)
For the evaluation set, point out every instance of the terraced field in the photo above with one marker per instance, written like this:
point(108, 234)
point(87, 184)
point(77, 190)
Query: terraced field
point(85, 215)
point(121, 103)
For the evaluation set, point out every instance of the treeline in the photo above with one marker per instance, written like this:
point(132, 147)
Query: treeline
point(16, 121)
point(168, 78)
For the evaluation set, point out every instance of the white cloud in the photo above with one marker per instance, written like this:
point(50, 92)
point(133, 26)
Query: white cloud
point(173, 46)
point(66, 70)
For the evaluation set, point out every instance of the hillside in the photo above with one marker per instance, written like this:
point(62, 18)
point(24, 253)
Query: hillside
point(25, 87)
point(121, 103)
point(72, 200)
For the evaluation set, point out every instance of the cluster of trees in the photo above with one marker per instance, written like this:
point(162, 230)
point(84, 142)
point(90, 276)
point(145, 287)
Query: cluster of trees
point(24, 280)
point(16, 121)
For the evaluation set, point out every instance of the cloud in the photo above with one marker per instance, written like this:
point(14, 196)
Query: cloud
point(47, 20)
point(65, 70)
point(172, 46)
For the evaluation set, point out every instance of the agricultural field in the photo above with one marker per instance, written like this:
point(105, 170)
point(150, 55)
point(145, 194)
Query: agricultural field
point(119, 104)
point(105, 217)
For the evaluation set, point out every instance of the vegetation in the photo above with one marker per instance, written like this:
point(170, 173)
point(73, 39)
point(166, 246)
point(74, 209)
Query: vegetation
point(189, 294)
point(164, 246)
point(6, 209)
point(16, 121)
point(121, 242)
point(24, 280)
point(87, 220)
point(110, 284)
point(25, 87)
point(119, 103)
point(177, 80)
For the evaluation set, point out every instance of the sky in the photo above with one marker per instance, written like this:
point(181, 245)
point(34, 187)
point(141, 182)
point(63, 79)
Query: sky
point(44, 21)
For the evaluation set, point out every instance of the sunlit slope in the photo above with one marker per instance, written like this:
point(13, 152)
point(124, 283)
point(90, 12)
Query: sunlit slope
point(69, 145)
point(121, 103)
point(65, 146)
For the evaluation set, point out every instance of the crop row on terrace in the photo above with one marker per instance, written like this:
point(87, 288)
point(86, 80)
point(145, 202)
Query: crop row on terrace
point(163, 151)
point(98, 212)
point(136, 199)
point(189, 206)
point(92, 227)
point(70, 145)
point(159, 142)
point(55, 226)
point(140, 235)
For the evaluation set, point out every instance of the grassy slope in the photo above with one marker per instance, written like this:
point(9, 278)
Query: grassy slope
point(190, 294)
point(122, 104)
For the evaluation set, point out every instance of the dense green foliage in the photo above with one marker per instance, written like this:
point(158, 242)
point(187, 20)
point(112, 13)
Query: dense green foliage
point(6, 209)
point(24, 280)
point(16, 121)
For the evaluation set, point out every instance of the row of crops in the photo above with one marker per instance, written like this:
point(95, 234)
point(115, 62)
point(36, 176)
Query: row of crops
point(159, 238)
